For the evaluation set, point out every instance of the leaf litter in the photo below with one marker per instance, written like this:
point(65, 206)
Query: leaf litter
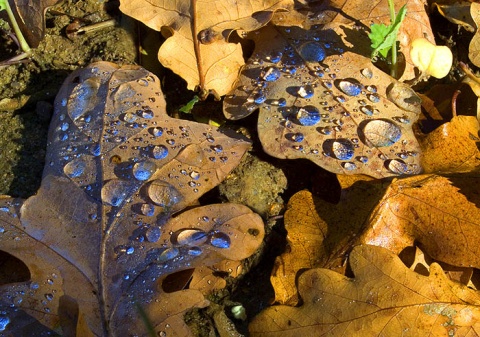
point(100, 230)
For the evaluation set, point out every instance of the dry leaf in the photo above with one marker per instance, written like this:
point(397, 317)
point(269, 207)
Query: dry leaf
point(99, 231)
point(441, 215)
point(474, 48)
point(319, 99)
point(452, 147)
point(457, 12)
point(196, 47)
point(320, 233)
point(384, 298)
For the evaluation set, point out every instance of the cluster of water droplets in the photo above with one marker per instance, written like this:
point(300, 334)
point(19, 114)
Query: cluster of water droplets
point(324, 114)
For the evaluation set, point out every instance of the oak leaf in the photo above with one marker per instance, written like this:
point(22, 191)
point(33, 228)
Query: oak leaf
point(197, 31)
point(384, 297)
point(321, 99)
point(99, 238)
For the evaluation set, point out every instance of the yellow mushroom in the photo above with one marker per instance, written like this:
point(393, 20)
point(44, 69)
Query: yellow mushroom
point(431, 59)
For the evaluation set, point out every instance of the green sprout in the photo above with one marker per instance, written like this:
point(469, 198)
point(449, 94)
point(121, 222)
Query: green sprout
point(384, 38)
point(21, 40)
point(187, 108)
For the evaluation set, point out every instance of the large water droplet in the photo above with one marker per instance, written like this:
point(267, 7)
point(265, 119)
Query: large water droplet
point(396, 166)
point(379, 132)
point(270, 74)
point(83, 98)
point(404, 97)
point(220, 240)
point(153, 234)
point(341, 149)
point(367, 73)
point(144, 170)
point(163, 194)
point(115, 191)
point(312, 52)
point(159, 151)
point(308, 115)
point(189, 237)
point(350, 88)
point(4, 321)
point(168, 254)
point(74, 168)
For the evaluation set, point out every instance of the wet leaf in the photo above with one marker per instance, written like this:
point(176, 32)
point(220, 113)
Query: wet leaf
point(440, 214)
point(321, 99)
point(452, 147)
point(100, 229)
point(197, 31)
point(384, 297)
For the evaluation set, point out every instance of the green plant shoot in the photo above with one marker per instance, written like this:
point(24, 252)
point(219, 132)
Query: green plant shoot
point(384, 38)
point(23, 43)
point(187, 108)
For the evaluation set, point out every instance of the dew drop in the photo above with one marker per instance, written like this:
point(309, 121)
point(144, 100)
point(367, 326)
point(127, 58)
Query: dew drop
point(270, 74)
point(350, 88)
point(305, 91)
point(341, 149)
point(194, 251)
point(379, 133)
point(312, 52)
point(189, 237)
point(153, 234)
point(220, 240)
point(83, 98)
point(115, 191)
point(168, 254)
point(367, 110)
point(74, 168)
point(308, 115)
point(159, 151)
point(404, 97)
point(396, 166)
point(163, 194)
point(144, 170)
point(156, 131)
point(349, 166)
point(4, 321)
point(259, 97)
point(147, 209)
point(374, 98)
point(194, 175)
point(367, 73)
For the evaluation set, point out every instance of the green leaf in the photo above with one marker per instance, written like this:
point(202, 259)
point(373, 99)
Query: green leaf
point(383, 37)
point(187, 108)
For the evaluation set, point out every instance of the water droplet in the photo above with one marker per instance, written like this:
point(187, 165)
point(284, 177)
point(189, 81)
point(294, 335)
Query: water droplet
point(341, 149)
point(362, 159)
point(95, 150)
point(147, 209)
point(144, 170)
point(194, 251)
point(296, 137)
point(143, 82)
point(194, 175)
point(159, 151)
point(340, 99)
point(83, 98)
point(350, 88)
point(367, 110)
point(372, 89)
point(374, 98)
point(49, 297)
point(270, 74)
point(4, 321)
point(189, 237)
point(349, 166)
point(115, 191)
point(308, 115)
point(396, 166)
point(163, 194)
point(147, 114)
point(259, 97)
point(367, 73)
point(168, 254)
point(156, 131)
point(404, 97)
point(312, 52)
point(379, 133)
point(305, 91)
point(402, 119)
point(220, 240)
point(74, 168)
point(153, 234)
point(217, 148)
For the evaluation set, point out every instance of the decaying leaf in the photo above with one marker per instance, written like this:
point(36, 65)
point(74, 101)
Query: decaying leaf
point(321, 99)
point(474, 48)
point(99, 234)
point(197, 31)
point(452, 147)
point(441, 215)
point(384, 298)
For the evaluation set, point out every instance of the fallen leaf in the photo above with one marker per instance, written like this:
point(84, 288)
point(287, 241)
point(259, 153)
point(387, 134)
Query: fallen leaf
point(474, 47)
point(439, 214)
point(100, 229)
point(320, 233)
point(196, 47)
point(321, 99)
point(384, 298)
point(457, 12)
point(452, 147)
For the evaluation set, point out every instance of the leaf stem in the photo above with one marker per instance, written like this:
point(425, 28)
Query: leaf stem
point(393, 67)
point(23, 43)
